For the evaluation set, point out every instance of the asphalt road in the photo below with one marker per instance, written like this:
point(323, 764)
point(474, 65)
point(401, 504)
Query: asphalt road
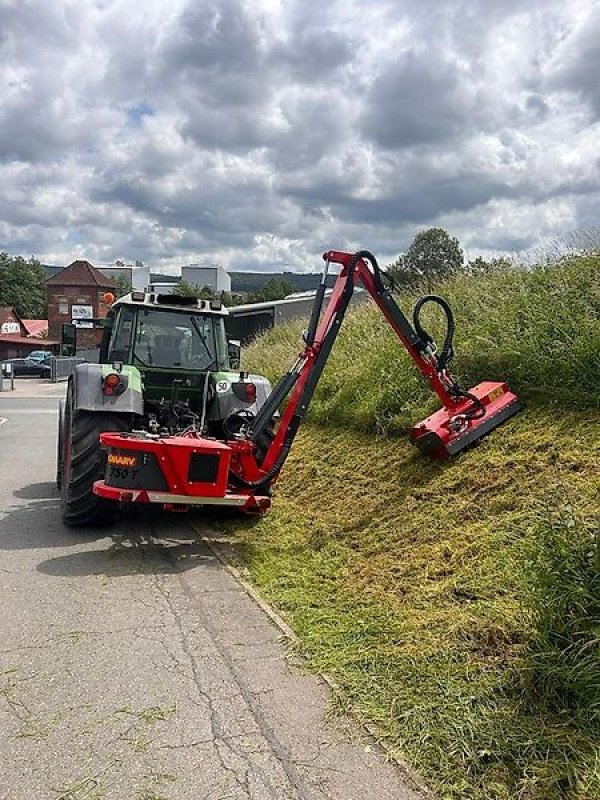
point(134, 667)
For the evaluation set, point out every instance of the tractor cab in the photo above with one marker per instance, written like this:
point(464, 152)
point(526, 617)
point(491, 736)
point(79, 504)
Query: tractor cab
point(173, 341)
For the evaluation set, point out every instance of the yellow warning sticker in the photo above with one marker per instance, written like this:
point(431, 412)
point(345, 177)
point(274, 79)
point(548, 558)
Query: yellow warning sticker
point(495, 394)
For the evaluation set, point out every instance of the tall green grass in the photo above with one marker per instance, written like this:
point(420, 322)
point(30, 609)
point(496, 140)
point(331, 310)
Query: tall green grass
point(539, 329)
point(563, 578)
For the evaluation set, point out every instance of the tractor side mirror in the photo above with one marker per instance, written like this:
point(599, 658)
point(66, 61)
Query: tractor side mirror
point(234, 349)
point(68, 339)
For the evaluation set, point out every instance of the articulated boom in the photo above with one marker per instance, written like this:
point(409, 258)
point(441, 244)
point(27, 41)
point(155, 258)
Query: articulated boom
point(190, 469)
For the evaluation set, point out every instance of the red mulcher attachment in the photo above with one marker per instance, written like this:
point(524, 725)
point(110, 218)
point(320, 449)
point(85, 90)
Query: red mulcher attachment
point(187, 469)
point(450, 430)
point(466, 416)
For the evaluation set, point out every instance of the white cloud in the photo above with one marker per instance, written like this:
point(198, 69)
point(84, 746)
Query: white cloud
point(262, 133)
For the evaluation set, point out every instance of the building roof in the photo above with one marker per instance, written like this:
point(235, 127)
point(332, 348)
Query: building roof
point(80, 273)
point(30, 328)
point(249, 308)
point(35, 327)
point(14, 338)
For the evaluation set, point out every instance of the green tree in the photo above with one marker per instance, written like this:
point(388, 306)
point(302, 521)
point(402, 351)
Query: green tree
point(272, 289)
point(185, 289)
point(479, 266)
point(23, 286)
point(403, 276)
point(122, 285)
point(434, 255)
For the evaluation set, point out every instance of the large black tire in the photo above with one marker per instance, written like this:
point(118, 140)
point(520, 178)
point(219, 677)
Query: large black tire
point(59, 443)
point(84, 462)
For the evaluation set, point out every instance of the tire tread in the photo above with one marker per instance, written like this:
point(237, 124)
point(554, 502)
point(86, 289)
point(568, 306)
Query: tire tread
point(80, 505)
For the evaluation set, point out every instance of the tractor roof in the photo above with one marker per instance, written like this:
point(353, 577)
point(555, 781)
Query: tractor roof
point(171, 302)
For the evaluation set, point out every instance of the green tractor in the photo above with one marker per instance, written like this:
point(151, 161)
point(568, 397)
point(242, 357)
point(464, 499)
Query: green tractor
point(165, 368)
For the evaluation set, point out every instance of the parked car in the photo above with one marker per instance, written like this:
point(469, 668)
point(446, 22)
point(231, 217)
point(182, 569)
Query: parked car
point(40, 355)
point(22, 367)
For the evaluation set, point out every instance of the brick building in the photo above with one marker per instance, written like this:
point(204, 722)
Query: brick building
point(19, 336)
point(75, 294)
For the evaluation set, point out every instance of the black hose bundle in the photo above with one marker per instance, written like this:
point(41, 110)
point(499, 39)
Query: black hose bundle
point(447, 352)
point(443, 359)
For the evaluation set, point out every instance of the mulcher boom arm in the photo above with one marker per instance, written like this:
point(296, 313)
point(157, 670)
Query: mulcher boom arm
point(462, 418)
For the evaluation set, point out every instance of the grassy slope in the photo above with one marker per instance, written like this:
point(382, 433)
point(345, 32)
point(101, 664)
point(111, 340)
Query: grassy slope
point(405, 579)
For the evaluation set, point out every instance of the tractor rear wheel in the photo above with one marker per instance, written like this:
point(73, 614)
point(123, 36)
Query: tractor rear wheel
point(83, 462)
point(59, 444)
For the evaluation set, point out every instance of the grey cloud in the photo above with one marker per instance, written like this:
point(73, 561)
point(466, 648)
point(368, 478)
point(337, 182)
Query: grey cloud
point(35, 121)
point(401, 205)
point(316, 125)
point(587, 210)
point(48, 24)
point(246, 206)
point(214, 35)
point(312, 55)
point(237, 130)
point(506, 242)
point(579, 68)
point(308, 126)
point(537, 105)
point(32, 127)
point(417, 99)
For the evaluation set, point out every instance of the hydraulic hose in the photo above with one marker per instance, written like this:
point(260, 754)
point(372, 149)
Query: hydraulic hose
point(477, 410)
point(447, 351)
point(264, 481)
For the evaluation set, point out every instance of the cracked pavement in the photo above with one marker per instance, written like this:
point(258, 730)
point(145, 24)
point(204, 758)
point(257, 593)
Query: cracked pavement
point(134, 667)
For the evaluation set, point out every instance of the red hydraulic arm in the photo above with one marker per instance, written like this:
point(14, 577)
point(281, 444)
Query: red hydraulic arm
point(464, 418)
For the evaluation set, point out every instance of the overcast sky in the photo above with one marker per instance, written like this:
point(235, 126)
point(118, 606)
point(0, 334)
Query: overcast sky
point(260, 133)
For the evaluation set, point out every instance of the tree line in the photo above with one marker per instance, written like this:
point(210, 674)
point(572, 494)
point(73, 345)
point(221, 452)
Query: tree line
point(432, 256)
point(272, 289)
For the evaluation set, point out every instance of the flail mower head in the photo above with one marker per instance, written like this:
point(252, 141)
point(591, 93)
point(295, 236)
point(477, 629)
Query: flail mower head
point(454, 428)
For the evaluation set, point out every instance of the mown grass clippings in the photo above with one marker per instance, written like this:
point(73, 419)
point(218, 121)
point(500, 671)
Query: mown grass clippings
point(38, 728)
point(406, 581)
point(86, 788)
point(156, 783)
point(151, 714)
point(138, 733)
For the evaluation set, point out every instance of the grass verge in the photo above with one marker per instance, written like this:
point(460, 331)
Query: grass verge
point(456, 603)
point(409, 582)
